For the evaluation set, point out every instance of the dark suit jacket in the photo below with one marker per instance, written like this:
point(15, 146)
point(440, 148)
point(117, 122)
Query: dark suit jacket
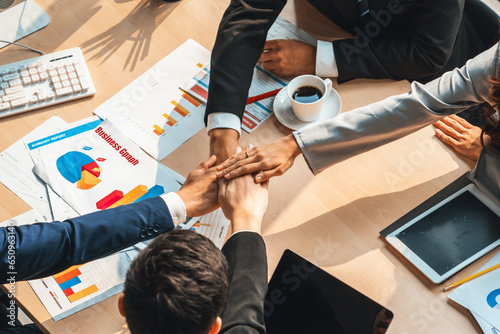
point(44, 249)
point(422, 39)
point(244, 311)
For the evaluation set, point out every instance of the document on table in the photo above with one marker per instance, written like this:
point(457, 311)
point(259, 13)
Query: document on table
point(262, 81)
point(213, 225)
point(94, 167)
point(482, 297)
point(153, 111)
point(16, 169)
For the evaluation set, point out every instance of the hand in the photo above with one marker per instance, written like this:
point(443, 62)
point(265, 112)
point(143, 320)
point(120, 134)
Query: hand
point(243, 202)
point(269, 160)
point(199, 191)
point(288, 58)
point(223, 142)
point(464, 137)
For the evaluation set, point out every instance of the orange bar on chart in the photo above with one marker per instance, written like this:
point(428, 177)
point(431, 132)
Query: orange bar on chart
point(67, 274)
point(83, 293)
point(131, 196)
point(180, 109)
point(158, 130)
point(191, 99)
point(171, 121)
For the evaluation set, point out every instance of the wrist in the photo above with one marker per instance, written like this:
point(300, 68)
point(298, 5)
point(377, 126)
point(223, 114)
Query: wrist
point(292, 146)
point(223, 135)
point(247, 223)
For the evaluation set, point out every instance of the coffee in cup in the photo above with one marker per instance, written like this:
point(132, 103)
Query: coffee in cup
point(307, 93)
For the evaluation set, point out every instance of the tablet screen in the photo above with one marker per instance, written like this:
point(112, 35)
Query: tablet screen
point(452, 233)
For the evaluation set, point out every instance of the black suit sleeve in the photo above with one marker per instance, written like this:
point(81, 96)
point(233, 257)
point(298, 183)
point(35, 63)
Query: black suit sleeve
point(44, 249)
point(417, 43)
point(244, 311)
point(239, 43)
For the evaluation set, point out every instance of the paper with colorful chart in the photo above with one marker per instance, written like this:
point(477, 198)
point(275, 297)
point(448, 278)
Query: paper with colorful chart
point(94, 167)
point(482, 297)
point(152, 110)
point(262, 80)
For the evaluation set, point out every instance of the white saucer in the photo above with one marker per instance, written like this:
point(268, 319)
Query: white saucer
point(284, 113)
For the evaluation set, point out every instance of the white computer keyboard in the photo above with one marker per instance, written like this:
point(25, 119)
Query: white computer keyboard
point(44, 81)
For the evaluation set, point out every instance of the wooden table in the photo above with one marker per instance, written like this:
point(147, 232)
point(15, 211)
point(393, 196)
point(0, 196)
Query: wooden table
point(332, 219)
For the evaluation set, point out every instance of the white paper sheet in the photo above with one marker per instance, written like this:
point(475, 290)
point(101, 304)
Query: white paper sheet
point(482, 297)
point(153, 111)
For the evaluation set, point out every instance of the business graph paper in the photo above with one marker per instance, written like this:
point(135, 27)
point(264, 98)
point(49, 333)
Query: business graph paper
point(152, 110)
point(81, 286)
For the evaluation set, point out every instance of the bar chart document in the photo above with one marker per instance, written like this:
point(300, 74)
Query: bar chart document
point(153, 111)
point(262, 81)
point(94, 167)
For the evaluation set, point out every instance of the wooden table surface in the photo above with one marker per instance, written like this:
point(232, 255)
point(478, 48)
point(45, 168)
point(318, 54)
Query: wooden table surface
point(332, 219)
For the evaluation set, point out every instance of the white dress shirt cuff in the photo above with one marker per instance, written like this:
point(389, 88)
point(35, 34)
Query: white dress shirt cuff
point(225, 120)
point(176, 207)
point(326, 66)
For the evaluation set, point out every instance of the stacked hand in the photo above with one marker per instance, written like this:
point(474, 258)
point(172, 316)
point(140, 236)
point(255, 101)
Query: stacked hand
point(464, 137)
point(268, 160)
point(243, 202)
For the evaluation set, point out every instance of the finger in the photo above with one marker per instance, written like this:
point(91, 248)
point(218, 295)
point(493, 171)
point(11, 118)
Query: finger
point(452, 123)
point(445, 138)
point(266, 56)
point(237, 150)
point(208, 163)
point(222, 168)
point(462, 121)
point(266, 175)
point(270, 44)
point(242, 169)
point(446, 129)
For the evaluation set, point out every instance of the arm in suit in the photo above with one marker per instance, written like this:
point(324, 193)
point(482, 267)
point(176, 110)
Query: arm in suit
point(363, 129)
point(239, 43)
point(246, 256)
point(45, 249)
point(410, 40)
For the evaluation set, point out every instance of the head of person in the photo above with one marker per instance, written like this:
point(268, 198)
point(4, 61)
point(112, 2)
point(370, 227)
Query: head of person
point(178, 284)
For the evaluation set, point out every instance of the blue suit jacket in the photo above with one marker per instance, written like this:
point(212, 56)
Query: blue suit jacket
point(45, 249)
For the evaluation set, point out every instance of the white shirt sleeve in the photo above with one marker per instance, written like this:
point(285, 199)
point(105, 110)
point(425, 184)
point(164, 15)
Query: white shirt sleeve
point(326, 66)
point(176, 207)
point(218, 120)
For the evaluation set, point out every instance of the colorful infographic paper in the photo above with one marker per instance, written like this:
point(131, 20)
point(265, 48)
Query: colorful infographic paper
point(153, 111)
point(94, 167)
point(482, 297)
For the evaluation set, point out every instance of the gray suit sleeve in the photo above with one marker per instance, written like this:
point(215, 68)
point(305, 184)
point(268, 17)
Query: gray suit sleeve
point(363, 129)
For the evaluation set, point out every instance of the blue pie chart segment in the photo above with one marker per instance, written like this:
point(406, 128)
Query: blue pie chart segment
point(492, 299)
point(70, 165)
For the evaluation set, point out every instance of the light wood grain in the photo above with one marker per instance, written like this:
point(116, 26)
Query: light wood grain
point(332, 219)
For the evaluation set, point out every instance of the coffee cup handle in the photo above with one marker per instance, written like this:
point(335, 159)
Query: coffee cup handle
point(328, 84)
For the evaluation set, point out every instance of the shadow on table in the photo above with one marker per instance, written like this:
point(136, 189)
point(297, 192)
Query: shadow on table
point(138, 27)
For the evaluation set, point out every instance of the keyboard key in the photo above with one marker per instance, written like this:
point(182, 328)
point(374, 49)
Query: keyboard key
point(26, 81)
point(33, 100)
point(72, 75)
point(4, 85)
point(43, 76)
point(33, 71)
point(85, 85)
point(15, 82)
point(66, 83)
point(35, 78)
point(25, 73)
point(77, 89)
point(4, 106)
point(64, 91)
point(42, 96)
point(50, 95)
point(19, 103)
point(61, 70)
point(64, 77)
point(12, 90)
point(2, 93)
point(12, 97)
point(10, 77)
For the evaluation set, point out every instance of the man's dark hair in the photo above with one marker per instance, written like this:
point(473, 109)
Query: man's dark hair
point(178, 284)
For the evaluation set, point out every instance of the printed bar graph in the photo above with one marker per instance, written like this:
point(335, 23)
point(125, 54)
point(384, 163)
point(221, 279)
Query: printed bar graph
point(131, 196)
point(171, 121)
point(68, 274)
point(83, 293)
point(155, 191)
point(68, 284)
point(191, 99)
point(180, 109)
point(201, 91)
point(109, 200)
point(158, 130)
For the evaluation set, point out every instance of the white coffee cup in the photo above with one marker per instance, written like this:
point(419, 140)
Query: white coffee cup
point(308, 112)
